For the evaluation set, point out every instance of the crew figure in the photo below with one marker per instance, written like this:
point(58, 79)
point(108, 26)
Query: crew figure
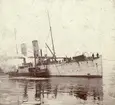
point(97, 55)
point(93, 55)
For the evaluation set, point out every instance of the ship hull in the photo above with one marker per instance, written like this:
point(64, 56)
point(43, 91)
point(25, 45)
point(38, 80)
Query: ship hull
point(47, 76)
point(75, 69)
point(79, 76)
point(86, 69)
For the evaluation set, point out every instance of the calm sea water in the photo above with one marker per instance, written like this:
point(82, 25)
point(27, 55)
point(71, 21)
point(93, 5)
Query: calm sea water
point(60, 91)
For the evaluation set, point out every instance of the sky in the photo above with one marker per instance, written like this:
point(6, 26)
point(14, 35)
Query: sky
point(77, 25)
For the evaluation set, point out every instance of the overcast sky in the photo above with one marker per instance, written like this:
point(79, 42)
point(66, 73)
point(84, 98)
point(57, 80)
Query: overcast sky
point(77, 25)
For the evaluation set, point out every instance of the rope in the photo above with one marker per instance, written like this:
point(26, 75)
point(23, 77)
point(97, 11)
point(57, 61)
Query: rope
point(58, 70)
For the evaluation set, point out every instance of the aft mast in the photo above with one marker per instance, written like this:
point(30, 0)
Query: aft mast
point(15, 40)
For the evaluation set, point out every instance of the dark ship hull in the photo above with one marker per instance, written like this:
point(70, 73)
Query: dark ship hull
point(41, 74)
point(32, 72)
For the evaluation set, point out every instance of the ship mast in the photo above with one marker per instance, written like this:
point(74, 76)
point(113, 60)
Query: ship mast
point(15, 41)
point(53, 48)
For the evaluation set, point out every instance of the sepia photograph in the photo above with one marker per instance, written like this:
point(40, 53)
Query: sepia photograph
point(57, 52)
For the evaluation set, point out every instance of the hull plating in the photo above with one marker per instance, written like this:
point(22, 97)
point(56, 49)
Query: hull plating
point(91, 69)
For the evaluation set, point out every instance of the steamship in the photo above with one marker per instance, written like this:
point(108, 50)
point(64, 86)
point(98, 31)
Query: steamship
point(48, 66)
point(45, 66)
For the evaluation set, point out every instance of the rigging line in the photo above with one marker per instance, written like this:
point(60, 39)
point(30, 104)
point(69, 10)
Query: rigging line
point(57, 69)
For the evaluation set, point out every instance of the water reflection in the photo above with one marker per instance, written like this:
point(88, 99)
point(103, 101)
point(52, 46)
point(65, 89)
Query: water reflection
point(46, 92)
point(25, 95)
point(57, 91)
point(81, 93)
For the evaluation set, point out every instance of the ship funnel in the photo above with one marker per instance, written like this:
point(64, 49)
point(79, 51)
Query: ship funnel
point(24, 49)
point(35, 48)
